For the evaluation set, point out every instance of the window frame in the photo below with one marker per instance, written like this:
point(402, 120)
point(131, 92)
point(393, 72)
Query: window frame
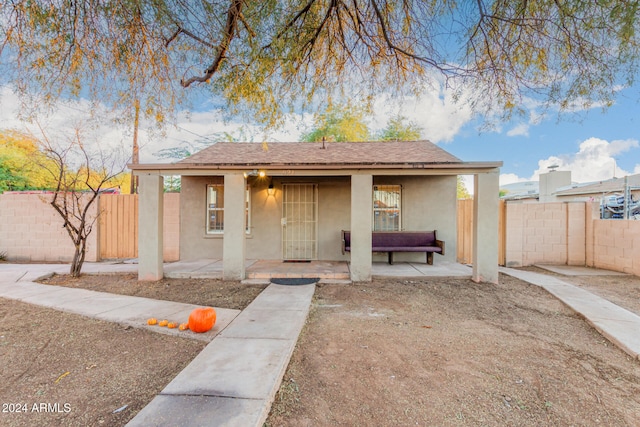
point(377, 211)
point(209, 210)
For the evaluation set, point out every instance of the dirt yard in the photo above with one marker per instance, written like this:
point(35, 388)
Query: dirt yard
point(392, 352)
point(449, 352)
point(64, 369)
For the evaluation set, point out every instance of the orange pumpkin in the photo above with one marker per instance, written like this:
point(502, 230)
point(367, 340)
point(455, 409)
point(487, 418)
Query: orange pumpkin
point(172, 325)
point(202, 319)
point(163, 323)
point(183, 326)
point(152, 321)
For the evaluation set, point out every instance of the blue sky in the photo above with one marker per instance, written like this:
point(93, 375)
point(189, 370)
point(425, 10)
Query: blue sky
point(594, 144)
point(591, 143)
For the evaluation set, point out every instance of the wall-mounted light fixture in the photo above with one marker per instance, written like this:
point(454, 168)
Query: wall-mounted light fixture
point(271, 190)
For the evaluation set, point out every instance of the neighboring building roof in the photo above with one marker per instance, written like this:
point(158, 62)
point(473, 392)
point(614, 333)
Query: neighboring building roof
point(306, 153)
point(615, 185)
point(520, 190)
point(331, 155)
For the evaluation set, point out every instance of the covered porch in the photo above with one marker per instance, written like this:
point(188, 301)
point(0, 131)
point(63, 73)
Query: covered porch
point(290, 201)
point(326, 271)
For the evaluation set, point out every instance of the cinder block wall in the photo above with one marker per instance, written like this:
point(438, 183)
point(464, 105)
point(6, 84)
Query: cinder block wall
point(616, 245)
point(31, 230)
point(536, 233)
point(570, 233)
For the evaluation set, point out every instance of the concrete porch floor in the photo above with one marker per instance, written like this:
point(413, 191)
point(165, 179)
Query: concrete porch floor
point(327, 271)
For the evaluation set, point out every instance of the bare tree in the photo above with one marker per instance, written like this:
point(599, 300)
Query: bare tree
point(80, 176)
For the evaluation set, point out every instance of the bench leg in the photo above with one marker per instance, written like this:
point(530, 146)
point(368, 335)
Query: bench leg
point(391, 258)
point(430, 258)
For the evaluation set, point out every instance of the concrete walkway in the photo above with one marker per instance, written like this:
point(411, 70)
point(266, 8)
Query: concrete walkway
point(17, 283)
point(232, 382)
point(618, 325)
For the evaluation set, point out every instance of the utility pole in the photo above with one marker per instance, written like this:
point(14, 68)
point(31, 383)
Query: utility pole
point(135, 156)
point(627, 196)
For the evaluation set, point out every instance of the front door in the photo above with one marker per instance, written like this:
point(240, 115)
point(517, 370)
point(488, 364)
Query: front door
point(299, 222)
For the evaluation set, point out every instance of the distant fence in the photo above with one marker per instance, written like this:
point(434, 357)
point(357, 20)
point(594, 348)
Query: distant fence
point(119, 226)
point(570, 233)
point(529, 233)
point(31, 230)
point(464, 242)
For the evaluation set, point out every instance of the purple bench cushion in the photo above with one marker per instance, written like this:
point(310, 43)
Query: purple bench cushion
point(399, 242)
point(403, 240)
point(406, 249)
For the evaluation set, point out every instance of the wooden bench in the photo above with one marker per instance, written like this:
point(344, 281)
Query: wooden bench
point(400, 241)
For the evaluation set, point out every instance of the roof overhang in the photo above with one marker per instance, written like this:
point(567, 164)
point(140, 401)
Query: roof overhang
point(461, 168)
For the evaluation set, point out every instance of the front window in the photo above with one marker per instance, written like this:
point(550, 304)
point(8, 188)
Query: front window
point(387, 208)
point(215, 208)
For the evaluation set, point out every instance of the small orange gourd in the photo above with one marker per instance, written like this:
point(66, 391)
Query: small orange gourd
point(152, 321)
point(202, 319)
point(183, 326)
point(163, 323)
point(172, 325)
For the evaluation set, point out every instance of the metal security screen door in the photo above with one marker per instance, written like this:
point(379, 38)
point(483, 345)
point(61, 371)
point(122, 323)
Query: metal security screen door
point(299, 222)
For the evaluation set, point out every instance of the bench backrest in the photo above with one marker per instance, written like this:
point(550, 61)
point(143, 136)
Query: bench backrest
point(397, 238)
point(401, 238)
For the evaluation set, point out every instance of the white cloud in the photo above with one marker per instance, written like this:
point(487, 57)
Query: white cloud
point(436, 111)
point(620, 146)
point(521, 129)
point(510, 178)
point(61, 120)
point(101, 128)
point(594, 160)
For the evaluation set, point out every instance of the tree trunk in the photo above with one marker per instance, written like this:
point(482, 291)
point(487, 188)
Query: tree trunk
point(78, 259)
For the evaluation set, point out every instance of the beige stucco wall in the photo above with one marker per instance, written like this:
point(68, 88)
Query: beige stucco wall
point(31, 230)
point(428, 203)
point(334, 215)
point(550, 182)
point(194, 242)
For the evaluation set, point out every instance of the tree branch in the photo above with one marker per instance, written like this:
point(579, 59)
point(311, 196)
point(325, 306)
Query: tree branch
point(181, 30)
point(397, 49)
point(229, 32)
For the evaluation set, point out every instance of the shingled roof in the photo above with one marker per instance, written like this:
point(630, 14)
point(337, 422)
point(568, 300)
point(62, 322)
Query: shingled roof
point(330, 153)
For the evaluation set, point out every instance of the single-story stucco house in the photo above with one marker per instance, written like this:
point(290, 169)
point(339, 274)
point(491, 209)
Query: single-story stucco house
point(290, 201)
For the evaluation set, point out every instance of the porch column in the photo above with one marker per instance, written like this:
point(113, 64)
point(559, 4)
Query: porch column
point(233, 245)
point(485, 227)
point(361, 214)
point(150, 213)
